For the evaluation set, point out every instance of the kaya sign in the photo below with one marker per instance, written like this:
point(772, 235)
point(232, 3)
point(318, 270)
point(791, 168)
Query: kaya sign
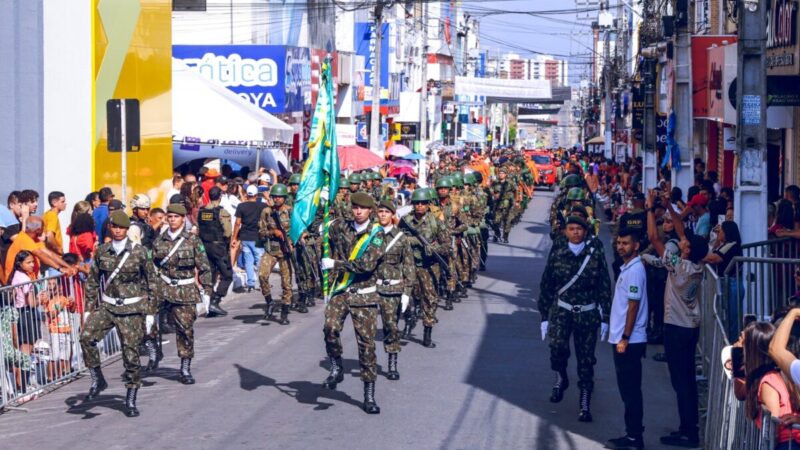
point(783, 57)
point(257, 73)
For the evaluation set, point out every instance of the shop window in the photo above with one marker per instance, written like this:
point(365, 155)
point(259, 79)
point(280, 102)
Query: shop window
point(189, 5)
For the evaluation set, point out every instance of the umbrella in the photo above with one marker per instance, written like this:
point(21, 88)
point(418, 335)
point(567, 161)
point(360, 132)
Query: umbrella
point(413, 156)
point(403, 163)
point(354, 157)
point(399, 150)
point(7, 218)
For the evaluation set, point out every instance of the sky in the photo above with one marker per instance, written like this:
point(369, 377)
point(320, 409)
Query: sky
point(524, 34)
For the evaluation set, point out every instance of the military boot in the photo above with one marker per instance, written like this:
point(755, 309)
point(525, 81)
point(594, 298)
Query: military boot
point(505, 237)
point(300, 306)
point(411, 323)
point(561, 385)
point(152, 355)
point(98, 383)
point(370, 407)
point(427, 341)
point(130, 403)
point(393, 374)
point(268, 311)
point(214, 309)
point(186, 371)
point(462, 293)
point(585, 415)
point(336, 375)
point(448, 302)
point(310, 300)
point(284, 320)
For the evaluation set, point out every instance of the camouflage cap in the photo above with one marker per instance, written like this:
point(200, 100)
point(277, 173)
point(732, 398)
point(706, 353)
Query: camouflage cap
point(120, 219)
point(176, 208)
point(362, 199)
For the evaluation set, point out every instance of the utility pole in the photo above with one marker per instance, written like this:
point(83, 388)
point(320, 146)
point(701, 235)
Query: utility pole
point(423, 102)
point(750, 193)
point(650, 159)
point(375, 118)
point(683, 176)
point(609, 151)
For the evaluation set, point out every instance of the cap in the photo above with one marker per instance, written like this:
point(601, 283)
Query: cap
point(212, 173)
point(264, 177)
point(252, 190)
point(177, 198)
point(176, 208)
point(698, 200)
point(388, 204)
point(140, 201)
point(577, 220)
point(223, 180)
point(115, 204)
point(362, 199)
point(120, 219)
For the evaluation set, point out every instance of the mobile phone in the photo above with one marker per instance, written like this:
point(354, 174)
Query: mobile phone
point(737, 362)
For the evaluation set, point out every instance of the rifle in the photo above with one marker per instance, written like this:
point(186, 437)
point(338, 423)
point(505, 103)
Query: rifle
point(425, 243)
point(286, 248)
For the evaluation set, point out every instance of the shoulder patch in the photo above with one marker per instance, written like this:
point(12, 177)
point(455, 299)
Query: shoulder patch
point(377, 241)
point(634, 289)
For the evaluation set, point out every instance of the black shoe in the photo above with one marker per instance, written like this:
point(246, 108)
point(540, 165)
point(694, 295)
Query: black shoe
point(269, 310)
point(426, 339)
point(284, 320)
point(494, 239)
point(214, 309)
point(561, 385)
point(310, 301)
point(505, 240)
point(625, 443)
point(336, 375)
point(462, 293)
point(680, 440)
point(370, 407)
point(152, 356)
point(448, 303)
point(660, 357)
point(186, 371)
point(393, 374)
point(98, 383)
point(300, 306)
point(130, 403)
point(250, 289)
point(585, 415)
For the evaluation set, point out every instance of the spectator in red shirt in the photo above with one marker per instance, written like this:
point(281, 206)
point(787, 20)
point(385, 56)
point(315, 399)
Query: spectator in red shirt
point(81, 232)
point(208, 182)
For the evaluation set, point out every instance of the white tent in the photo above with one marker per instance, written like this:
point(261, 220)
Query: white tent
point(210, 121)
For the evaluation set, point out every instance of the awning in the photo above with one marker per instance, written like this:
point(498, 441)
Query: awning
point(271, 158)
point(505, 91)
point(206, 112)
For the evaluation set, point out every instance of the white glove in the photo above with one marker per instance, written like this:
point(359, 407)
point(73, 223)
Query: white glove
point(324, 195)
point(603, 332)
point(327, 263)
point(85, 316)
point(545, 325)
point(149, 321)
point(404, 300)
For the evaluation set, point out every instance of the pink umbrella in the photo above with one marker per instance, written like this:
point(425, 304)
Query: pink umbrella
point(354, 158)
point(399, 150)
point(403, 163)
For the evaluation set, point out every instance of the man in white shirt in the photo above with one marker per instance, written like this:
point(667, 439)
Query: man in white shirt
point(628, 337)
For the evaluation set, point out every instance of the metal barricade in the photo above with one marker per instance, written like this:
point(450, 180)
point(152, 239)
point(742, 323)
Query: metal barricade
point(40, 324)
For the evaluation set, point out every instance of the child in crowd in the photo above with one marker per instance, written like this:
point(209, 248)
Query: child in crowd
point(57, 309)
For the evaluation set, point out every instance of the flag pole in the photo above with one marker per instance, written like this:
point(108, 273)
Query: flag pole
point(330, 140)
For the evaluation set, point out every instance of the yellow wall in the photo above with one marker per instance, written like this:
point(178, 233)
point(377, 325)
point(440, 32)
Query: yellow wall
point(133, 59)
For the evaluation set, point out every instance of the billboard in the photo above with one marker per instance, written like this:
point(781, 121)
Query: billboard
point(273, 77)
point(365, 46)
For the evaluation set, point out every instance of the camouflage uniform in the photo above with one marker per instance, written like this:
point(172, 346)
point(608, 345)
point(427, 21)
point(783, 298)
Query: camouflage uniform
point(474, 216)
point(363, 307)
point(136, 278)
point(436, 234)
point(593, 287)
point(396, 276)
point(341, 206)
point(177, 286)
point(307, 255)
point(455, 222)
point(267, 226)
point(504, 193)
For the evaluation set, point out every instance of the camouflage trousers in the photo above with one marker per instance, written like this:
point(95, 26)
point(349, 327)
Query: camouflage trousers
point(268, 261)
point(453, 267)
point(583, 329)
point(390, 308)
point(184, 316)
point(502, 221)
point(130, 328)
point(474, 252)
point(307, 274)
point(365, 323)
point(426, 295)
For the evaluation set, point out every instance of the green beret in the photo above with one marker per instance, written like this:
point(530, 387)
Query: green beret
point(176, 208)
point(362, 199)
point(577, 220)
point(388, 204)
point(120, 219)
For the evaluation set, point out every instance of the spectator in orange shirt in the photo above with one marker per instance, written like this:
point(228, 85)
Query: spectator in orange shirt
point(52, 227)
point(29, 240)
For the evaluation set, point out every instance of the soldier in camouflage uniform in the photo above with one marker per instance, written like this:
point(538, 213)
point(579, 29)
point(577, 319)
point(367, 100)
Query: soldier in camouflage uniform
point(474, 214)
point(397, 276)
point(355, 181)
point(504, 193)
point(306, 251)
point(294, 185)
point(483, 205)
point(377, 186)
point(274, 226)
point(557, 218)
point(574, 295)
point(455, 221)
point(119, 292)
point(341, 204)
point(177, 254)
point(423, 223)
point(356, 247)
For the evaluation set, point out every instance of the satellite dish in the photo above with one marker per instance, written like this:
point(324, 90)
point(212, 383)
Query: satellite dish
point(605, 19)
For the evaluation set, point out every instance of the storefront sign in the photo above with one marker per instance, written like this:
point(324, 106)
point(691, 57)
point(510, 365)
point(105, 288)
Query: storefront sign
point(365, 43)
point(408, 131)
point(700, 46)
point(782, 49)
point(257, 73)
point(637, 123)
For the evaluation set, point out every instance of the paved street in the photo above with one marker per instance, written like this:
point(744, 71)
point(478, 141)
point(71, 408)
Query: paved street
point(485, 386)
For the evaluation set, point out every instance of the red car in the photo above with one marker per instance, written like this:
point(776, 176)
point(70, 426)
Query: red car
point(546, 167)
